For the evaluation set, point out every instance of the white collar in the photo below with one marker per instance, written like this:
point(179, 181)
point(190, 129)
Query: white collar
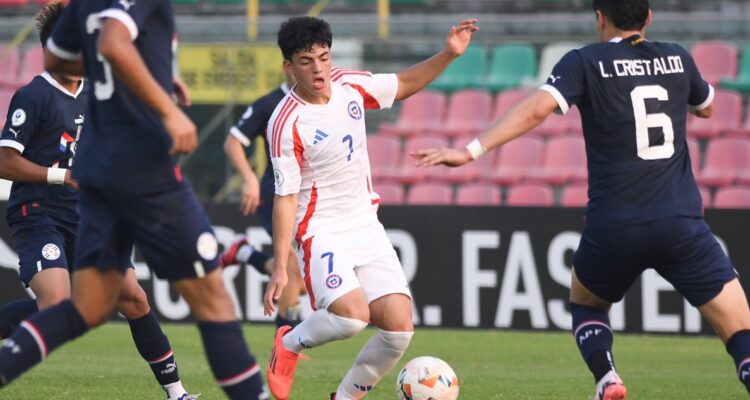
point(616, 39)
point(60, 87)
point(284, 88)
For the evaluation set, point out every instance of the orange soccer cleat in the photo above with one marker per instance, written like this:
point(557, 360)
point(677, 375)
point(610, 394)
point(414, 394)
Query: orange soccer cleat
point(281, 366)
point(610, 387)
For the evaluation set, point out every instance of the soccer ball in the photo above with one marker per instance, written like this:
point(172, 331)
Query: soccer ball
point(427, 378)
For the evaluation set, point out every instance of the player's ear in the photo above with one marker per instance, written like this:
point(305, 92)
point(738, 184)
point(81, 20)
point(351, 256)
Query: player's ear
point(648, 19)
point(601, 20)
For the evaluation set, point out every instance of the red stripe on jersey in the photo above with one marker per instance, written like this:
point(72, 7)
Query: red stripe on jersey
point(294, 95)
point(299, 149)
point(369, 190)
point(307, 252)
point(370, 102)
point(340, 74)
point(274, 130)
point(285, 117)
point(302, 228)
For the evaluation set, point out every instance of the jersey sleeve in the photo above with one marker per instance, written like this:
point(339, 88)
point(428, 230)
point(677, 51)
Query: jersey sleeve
point(286, 152)
point(377, 90)
point(133, 13)
point(567, 82)
point(20, 123)
point(251, 124)
point(701, 92)
point(65, 40)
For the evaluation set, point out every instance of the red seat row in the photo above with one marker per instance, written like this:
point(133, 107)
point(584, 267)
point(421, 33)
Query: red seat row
point(16, 70)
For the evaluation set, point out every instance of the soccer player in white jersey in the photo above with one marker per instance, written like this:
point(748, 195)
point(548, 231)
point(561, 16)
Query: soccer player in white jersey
point(326, 205)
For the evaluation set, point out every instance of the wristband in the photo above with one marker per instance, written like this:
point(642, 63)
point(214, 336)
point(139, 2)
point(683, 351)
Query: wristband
point(475, 149)
point(56, 176)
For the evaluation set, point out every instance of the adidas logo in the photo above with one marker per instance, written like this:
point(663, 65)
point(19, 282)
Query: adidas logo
point(319, 136)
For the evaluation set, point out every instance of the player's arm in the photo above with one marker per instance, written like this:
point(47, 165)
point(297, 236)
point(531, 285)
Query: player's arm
point(284, 212)
point(116, 46)
point(235, 151)
point(14, 167)
point(416, 77)
point(524, 117)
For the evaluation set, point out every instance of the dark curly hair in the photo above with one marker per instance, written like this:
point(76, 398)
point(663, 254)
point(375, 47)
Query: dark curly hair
point(301, 34)
point(627, 15)
point(47, 18)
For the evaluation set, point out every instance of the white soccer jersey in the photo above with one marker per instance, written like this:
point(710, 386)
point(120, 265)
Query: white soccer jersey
point(319, 151)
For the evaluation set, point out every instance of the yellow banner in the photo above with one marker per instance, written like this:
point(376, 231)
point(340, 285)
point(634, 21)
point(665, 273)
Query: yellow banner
point(221, 73)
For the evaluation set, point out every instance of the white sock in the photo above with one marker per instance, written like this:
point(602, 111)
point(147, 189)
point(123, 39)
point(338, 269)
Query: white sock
point(319, 328)
point(244, 253)
point(174, 390)
point(379, 355)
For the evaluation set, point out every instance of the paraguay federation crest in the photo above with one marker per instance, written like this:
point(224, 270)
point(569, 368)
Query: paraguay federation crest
point(355, 111)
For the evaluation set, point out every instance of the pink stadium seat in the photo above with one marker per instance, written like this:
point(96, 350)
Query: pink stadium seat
point(5, 97)
point(8, 67)
point(727, 115)
point(743, 131)
point(419, 113)
point(33, 64)
point(529, 196)
point(468, 113)
point(430, 194)
point(726, 159)
point(575, 196)
point(507, 100)
point(390, 193)
point(517, 160)
point(564, 162)
point(732, 197)
point(13, 3)
point(715, 60)
point(694, 149)
point(408, 172)
point(478, 170)
point(554, 125)
point(478, 194)
point(385, 154)
point(705, 196)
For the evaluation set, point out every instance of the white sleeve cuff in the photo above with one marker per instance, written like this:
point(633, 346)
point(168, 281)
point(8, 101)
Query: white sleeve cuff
point(60, 52)
point(237, 133)
point(12, 144)
point(125, 18)
point(562, 104)
point(707, 102)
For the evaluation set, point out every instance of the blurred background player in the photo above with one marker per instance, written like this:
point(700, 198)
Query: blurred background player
point(645, 209)
point(131, 190)
point(259, 197)
point(324, 198)
point(37, 148)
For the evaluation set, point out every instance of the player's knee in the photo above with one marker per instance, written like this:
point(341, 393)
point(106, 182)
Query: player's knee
point(346, 327)
point(133, 303)
point(397, 341)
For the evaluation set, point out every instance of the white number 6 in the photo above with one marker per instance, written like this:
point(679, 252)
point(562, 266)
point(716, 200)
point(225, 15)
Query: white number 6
point(644, 121)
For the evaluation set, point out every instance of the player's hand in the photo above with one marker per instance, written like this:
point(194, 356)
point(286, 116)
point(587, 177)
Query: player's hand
point(182, 130)
point(182, 92)
point(69, 181)
point(444, 156)
point(460, 36)
point(250, 196)
point(274, 289)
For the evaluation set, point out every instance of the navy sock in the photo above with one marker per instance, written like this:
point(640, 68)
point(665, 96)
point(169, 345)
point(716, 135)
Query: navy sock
point(37, 337)
point(292, 318)
point(13, 313)
point(258, 260)
point(594, 338)
point(739, 347)
point(235, 369)
point(154, 347)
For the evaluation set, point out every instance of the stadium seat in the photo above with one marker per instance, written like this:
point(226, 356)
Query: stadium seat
point(478, 194)
point(468, 113)
point(13, 3)
point(743, 131)
point(8, 67)
point(408, 172)
point(726, 159)
point(551, 54)
point(732, 197)
point(510, 65)
point(716, 60)
point(529, 196)
point(430, 194)
point(466, 72)
point(575, 196)
point(385, 154)
point(555, 124)
point(727, 116)
point(33, 64)
point(705, 196)
point(478, 170)
point(504, 101)
point(419, 113)
point(5, 97)
point(742, 83)
point(390, 193)
point(517, 160)
point(564, 162)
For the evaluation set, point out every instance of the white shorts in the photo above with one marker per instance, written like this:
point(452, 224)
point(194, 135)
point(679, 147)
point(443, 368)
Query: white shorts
point(334, 264)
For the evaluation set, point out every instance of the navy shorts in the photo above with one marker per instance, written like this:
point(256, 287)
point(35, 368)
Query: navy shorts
point(169, 227)
point(682, 250)
point(41, 244)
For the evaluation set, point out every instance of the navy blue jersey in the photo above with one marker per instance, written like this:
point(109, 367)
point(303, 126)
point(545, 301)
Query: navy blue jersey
point(44, 123)
point(126, 144)
point(633, 96)
point(253, 124)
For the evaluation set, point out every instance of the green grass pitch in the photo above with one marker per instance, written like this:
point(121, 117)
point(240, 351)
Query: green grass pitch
point(491, 364)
